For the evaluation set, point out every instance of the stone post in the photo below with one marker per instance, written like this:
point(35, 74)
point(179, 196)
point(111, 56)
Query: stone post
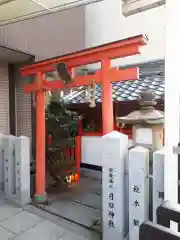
point(9, 165)
point(22, 170)
point(1, 163)
point(114, 154)
point(138, 190)
point(158, 181)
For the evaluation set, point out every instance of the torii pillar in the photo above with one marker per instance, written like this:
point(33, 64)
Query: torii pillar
point(107, 102)
point(105, 77)
point(172, 98)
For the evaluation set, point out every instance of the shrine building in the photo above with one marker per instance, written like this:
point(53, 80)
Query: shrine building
point(125, 94)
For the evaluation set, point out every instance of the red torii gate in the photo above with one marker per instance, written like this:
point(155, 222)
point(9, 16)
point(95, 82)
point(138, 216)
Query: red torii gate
point(105, 77)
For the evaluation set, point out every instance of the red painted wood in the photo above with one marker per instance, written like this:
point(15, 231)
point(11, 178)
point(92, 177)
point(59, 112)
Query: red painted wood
point(78, 156)
point(121, 48)
point(113, 75)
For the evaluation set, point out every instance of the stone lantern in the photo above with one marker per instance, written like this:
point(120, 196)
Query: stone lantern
point(147, 122)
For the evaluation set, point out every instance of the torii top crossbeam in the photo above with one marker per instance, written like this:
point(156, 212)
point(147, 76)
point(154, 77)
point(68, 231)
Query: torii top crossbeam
point(113, 50)
point(105, 77)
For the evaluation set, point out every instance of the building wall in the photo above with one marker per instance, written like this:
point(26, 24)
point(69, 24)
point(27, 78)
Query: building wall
point(21, 103)
point(76, 29)
point(47, 36)
point(105, 23)
point(87, 26)
point(23, 106)
point(4, 99)
point(23, 111)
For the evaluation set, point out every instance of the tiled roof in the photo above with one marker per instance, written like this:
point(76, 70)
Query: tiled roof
point(151, 77)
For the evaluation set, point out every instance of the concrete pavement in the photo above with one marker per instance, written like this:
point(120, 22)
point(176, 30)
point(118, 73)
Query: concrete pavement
point(31, 223)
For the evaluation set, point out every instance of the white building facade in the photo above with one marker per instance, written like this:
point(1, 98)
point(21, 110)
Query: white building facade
point(86, 26)
point(105, 22)
point(72, 30)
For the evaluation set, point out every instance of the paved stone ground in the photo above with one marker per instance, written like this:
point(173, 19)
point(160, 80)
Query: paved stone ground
point(31, 223)
point(80, 203)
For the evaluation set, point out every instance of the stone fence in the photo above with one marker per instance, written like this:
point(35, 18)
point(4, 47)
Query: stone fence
point(15, 168)
point(132, 186)
point(132, 182)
